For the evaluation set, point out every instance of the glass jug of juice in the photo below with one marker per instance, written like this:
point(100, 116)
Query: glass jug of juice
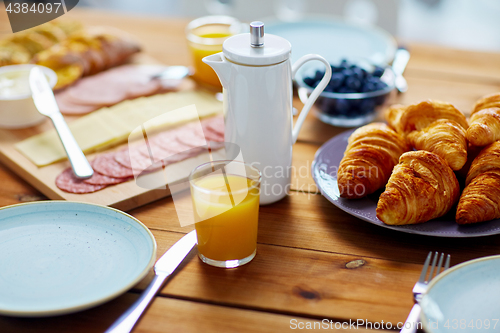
point(205, 36)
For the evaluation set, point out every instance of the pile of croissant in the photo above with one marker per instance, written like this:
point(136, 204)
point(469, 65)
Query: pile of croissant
point(418, 156)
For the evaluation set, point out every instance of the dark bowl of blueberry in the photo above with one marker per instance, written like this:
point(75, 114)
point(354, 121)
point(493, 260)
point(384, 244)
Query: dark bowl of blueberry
point(353, 94)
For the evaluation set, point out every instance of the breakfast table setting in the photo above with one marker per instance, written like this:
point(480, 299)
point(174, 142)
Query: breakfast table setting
point(103, 251)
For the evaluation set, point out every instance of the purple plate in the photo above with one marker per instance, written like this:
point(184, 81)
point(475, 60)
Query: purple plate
point(324, 172)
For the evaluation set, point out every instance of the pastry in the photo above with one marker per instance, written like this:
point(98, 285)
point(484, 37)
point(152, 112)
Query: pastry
point(422, 187)
point(484, 126)
point(418, 116)
point(480, 200)
point(370, 156)
point(488, 159)
point(486, 102)
point(445, 138)
point(85, 53)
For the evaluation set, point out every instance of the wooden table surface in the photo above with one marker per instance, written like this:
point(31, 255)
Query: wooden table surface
point(305, 244)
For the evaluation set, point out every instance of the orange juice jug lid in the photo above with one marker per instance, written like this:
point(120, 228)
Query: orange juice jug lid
point(256, 49)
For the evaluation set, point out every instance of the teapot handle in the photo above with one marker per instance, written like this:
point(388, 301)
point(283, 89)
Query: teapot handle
point(314, 95)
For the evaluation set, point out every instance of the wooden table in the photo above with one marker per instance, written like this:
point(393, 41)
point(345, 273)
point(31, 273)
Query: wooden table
point(314, 261)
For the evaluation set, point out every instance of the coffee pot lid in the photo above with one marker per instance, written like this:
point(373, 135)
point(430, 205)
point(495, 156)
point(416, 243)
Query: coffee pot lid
point(256, 49)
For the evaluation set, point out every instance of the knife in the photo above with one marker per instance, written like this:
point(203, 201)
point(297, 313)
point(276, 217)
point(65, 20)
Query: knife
point(401, 59)
point(46, 104)
point(164, 267)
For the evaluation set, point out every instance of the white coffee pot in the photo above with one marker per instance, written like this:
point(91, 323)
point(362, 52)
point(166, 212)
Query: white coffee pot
point(256, 75)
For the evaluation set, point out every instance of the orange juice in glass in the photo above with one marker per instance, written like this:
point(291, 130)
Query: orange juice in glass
point(205, 37)
point(225, 198)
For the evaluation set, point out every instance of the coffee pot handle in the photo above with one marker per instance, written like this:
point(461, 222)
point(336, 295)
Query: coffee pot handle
point(314, 95)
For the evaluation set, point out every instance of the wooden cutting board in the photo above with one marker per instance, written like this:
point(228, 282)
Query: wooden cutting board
point(124, 196)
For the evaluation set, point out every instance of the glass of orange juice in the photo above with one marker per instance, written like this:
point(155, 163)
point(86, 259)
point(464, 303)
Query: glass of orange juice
point(205, 37)
point(225, 197)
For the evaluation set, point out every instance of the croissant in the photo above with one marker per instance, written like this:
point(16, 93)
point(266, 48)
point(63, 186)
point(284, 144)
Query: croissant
point(480, 200)
point(488, 159)
point(371, 153)
point(486, 102)
point(422, 187)
point(418, 116)
point(472, 152)
point(484, 127)
point(445, 138)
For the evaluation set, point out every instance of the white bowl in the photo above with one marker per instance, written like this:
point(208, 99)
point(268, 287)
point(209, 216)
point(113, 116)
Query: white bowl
point(18, 110)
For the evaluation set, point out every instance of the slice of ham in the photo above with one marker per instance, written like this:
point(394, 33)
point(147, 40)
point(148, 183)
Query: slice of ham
point(67, 106)
point(96, 91)
point(67, 181)
point(110, 87)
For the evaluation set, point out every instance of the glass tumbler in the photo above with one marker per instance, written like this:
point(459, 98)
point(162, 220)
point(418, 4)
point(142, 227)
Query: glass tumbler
point(225, 197)
point(205, 37)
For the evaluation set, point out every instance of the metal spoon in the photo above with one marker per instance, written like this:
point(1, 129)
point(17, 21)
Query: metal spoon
point(399, 63)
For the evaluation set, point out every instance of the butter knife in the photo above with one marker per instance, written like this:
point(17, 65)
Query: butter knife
point(164, 267)
point(46, 104)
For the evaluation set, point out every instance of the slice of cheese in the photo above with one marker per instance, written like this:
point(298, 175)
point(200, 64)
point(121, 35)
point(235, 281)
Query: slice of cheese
point(111, 126)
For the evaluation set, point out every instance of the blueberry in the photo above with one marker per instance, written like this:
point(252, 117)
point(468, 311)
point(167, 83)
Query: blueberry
point(369, 86)
point(344, 64)
point(378, 71)
point(358, 73)
point(342, 107)
point(328, 89)
point(347, 72)
point(336, 81)
point(336, 69)
point(345, 90)
point(352, 82)
point(319, 75)
point(310, 82)
point(328, 105)
point(367, 105)
point(381, 85)
point(372, 79)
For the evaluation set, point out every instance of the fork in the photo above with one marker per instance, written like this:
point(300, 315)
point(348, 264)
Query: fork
point(421, 286)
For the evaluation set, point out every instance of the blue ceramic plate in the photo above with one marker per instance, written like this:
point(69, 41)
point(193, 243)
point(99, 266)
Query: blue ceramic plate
point(59, 257)
point(324, 172)
point(464, 298)
point(334, 39)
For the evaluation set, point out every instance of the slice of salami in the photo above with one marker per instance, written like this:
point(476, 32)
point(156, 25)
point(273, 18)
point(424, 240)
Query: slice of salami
point(216, 124)
point(107, 165)
point(136, 159)
point(123, 157)
point(67, 181)
point(211, 135)
point(191, 139)
point(155, 151)
point(100, 179)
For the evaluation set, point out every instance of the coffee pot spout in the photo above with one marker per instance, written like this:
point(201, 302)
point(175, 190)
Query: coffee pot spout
point(221, 66)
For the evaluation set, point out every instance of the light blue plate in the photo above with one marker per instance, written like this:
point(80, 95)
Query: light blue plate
point(465, 298)
point(59, 257)
point(334, 39)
